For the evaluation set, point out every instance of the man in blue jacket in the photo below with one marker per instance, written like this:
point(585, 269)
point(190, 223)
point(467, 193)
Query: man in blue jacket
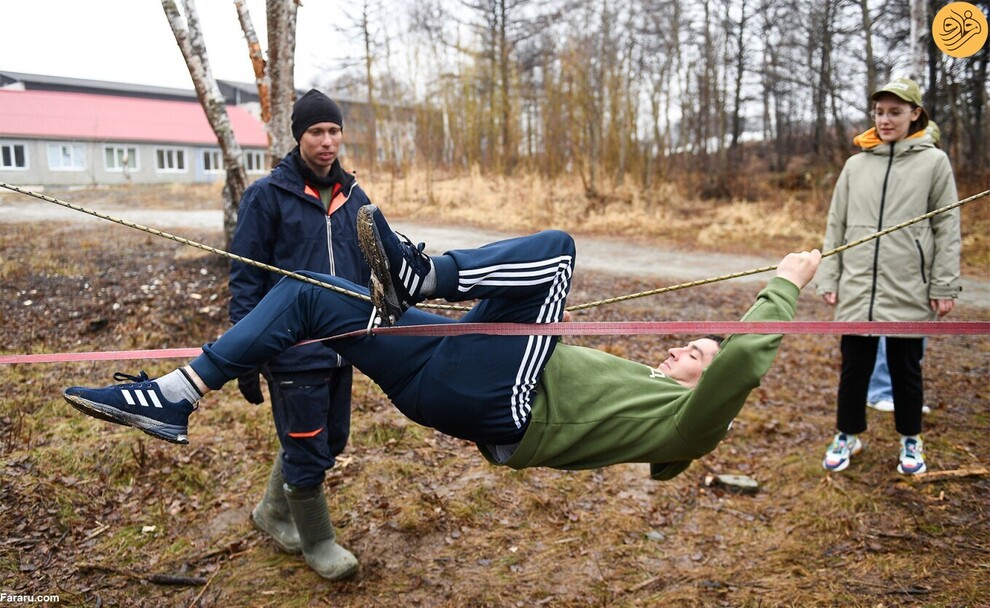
point(302, 217)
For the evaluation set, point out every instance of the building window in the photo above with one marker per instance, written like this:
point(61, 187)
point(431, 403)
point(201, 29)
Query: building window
point(254, 162)
point(66, 157)
point(212, 163)
point(13, 156)
point(120, 158)
point(170, 160)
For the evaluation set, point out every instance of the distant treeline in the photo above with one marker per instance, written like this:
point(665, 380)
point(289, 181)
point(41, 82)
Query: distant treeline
point(612, 90)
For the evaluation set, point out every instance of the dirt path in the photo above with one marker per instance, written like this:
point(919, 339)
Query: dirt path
point(597, 254)
point(607, 254)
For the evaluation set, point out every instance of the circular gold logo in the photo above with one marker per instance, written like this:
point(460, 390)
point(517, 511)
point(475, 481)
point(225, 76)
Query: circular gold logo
point(960, 29)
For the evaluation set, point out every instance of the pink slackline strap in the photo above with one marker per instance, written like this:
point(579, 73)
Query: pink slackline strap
point(114, 355)
point(877, 328)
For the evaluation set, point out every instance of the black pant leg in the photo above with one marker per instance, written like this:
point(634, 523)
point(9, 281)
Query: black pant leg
point(904, 361)
point(859, 355)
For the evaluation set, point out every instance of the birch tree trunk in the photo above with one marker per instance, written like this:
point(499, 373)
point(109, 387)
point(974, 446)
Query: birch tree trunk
point(819, 54)
point(281, 66)
point(257, 64)
point(871, 65)
point(918, 48)
point(369, 75)
point(735, 150)
point(189, 37)
point(275, 109)
point(505, 113)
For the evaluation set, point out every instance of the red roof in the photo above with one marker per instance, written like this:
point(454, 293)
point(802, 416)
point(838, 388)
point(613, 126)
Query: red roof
point(78, 116)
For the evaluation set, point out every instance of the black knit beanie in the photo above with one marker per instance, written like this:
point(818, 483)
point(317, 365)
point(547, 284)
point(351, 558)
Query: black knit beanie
point(311, 108)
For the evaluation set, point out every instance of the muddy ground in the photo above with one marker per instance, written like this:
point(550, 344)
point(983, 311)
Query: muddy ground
point(101, 515)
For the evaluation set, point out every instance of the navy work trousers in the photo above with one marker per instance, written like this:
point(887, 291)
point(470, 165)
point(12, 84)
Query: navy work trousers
point(312, 413)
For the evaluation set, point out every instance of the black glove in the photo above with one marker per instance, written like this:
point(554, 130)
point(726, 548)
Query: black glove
point(250, 386)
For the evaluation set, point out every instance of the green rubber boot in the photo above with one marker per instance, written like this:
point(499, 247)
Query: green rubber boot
point(319, 541)
point(272, 515)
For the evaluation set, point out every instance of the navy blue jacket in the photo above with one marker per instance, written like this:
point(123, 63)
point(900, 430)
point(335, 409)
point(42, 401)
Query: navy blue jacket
point(281, 224)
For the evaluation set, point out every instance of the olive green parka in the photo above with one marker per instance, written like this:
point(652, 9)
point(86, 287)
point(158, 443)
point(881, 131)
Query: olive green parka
point(892, 278)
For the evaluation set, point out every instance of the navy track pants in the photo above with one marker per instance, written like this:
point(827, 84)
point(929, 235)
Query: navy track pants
point(474, 387)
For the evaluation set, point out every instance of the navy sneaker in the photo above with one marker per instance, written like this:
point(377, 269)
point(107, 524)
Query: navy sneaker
point(140, 404)
point(398, 267)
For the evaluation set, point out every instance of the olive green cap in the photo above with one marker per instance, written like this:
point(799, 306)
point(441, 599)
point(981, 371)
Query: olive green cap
point(907, 90)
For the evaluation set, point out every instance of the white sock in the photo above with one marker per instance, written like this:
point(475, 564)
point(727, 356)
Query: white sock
point(176, 386)
point(429, 281)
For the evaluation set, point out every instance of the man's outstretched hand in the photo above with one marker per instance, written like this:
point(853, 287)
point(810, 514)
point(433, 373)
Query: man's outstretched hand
point(799, 268)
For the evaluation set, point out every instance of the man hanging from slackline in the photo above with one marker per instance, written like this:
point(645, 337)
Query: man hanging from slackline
point(526, 401)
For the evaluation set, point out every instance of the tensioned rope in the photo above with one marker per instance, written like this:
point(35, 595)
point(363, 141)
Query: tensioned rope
point(574, 328)
point(179, 239)
point(746, 273)
point(297, 276)
point(604, 328)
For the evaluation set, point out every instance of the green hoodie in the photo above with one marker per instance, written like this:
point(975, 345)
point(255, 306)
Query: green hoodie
point(593, 409)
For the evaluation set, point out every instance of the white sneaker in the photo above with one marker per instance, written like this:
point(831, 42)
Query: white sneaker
point(912, 458)
point(840, 452)
point(883, 405)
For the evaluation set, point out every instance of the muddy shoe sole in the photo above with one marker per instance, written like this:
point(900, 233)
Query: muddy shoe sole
point(168, 432)
point(383, 294)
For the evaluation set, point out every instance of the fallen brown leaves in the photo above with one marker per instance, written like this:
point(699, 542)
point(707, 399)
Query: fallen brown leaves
point(101, 514)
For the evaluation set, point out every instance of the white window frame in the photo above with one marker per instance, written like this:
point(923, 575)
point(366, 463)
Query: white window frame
point(66, 157)
point(255, 158)
point(168, 159)
point(10, 147)
point(214, 157)
point(120, 150)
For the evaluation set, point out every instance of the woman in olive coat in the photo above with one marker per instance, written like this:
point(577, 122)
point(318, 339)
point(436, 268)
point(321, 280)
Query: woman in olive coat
point(911, 274)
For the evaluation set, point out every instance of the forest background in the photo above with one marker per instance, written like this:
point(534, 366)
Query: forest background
point(727, 99)
point(652, 91)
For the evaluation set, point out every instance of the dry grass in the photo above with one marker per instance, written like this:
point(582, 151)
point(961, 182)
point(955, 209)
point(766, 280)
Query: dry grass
point(789, 215)
point(525, 203)
point(90, 511)
point(785, 219)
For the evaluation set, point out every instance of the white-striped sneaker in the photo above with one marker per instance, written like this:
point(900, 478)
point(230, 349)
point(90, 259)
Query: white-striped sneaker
point(884, 405)
point(140, 404)
point(398, 268)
